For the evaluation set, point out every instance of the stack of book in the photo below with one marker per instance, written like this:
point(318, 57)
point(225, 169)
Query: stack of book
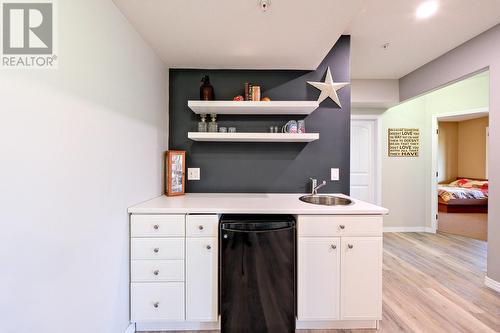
point(252, 92)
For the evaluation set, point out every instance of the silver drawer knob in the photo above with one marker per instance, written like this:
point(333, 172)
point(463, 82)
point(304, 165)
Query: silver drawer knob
point(200, 227)
point(208, 247)
point(342, 226)
point(156, 304)
point(156, 250)
point(350, 246)
point(156, 272)
point(333, 246)
point(156, 227)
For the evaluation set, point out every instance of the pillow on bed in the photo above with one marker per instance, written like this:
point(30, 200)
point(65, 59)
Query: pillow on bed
point(470, 183)
point(459, 182)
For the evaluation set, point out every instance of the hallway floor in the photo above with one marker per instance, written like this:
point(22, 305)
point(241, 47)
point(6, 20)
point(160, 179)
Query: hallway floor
point(435, 283)
point(473, 225)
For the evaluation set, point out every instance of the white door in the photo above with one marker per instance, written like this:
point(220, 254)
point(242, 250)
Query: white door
point(318, 278)
point(201, 279)
point(361, 279)
point(363, 148)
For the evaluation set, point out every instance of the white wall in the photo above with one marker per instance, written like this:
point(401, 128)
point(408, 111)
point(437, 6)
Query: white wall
point(78, 145)
point(480, 52)
point(373, 93)
point(406, 189)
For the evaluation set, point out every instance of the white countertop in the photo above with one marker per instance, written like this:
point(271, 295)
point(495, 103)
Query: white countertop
point(249, 203)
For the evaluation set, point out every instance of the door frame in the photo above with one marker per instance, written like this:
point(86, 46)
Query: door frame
point(376, 154)
point(434, 158)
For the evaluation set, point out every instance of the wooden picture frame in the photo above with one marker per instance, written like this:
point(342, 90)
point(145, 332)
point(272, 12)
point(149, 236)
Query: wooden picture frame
point(175, 172)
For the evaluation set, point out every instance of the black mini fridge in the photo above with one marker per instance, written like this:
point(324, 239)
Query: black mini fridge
point(257, 273)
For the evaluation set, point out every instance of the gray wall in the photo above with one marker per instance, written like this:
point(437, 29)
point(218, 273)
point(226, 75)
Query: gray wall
point(78, 146)
point(480, 52)
point(266, 167)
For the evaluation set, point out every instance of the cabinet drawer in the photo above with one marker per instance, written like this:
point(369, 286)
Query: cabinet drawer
point(157, 226)
point(157, 248)
point(157, 301)
point(157, 270)
point(340, 225)
point(202, 225)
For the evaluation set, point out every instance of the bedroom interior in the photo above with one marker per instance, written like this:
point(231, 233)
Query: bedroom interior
point(463, 175)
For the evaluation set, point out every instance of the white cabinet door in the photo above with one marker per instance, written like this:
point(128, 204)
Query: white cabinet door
point(318, 278)
point(361, 278)
point(201, 279)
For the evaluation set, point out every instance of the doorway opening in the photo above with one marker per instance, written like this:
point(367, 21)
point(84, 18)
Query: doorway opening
point(460, 173)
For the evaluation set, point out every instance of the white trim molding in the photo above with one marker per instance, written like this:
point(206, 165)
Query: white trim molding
point(409, 229)
point(490, 283)
point(130, 328)
point(435, 118)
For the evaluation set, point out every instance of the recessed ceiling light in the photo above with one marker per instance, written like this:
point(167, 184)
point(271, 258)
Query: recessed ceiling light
point(427, 9)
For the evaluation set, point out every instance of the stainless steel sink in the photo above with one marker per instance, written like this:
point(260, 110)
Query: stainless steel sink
point(326, 200)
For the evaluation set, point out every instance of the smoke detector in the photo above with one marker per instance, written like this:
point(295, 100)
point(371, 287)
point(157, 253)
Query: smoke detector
point(385, 46)
point(264, 4)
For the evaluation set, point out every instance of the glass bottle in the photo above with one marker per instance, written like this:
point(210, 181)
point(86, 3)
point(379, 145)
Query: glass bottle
point(212, 126)
point(202, 125)
point(206, 90)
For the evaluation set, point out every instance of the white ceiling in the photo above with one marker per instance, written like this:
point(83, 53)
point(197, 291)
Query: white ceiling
point(413, 42)
point(295, 34)
point(291, 34)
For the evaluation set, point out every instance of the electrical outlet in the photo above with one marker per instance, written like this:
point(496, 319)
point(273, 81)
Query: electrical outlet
point(335, 174)
point(193, 173)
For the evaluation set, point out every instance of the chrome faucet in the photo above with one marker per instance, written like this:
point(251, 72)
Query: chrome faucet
point(315, 187)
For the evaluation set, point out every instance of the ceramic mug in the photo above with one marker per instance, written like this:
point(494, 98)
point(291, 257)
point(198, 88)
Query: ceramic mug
point(290, 127)
point(301, 126)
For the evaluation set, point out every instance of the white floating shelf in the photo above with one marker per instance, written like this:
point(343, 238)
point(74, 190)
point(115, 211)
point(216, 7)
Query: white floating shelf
point(253, 137)
point(254, 108)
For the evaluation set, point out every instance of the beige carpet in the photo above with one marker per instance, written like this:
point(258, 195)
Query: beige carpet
point(464, 224)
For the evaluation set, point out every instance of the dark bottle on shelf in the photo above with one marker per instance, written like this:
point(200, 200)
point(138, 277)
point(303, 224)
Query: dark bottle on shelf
point(206, 90)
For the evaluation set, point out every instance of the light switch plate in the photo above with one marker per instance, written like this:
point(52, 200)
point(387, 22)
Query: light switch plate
point(335, 174)
point(193, 173)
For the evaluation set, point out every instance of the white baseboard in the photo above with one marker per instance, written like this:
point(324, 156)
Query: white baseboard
point(178, 326)
point(490, 283)
point(336, 324)
point(409, 229)
point(130, 328)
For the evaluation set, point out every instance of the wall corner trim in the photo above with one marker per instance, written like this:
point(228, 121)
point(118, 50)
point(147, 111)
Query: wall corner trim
point(130, 328)
point(490, 283)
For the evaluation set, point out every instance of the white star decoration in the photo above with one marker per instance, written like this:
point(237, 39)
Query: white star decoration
point(329, 88)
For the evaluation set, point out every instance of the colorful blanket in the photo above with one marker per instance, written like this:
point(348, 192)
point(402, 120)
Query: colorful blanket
point(464, 189)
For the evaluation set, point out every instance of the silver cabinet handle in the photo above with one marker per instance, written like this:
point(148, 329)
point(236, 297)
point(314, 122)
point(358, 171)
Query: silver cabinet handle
point(156, 304)
point(200, 227)
point(209, 247)
point(156, 227)
point(156, 250)
point(156, 272)
point(350, 246)
point(333, 246)
point(342, 226)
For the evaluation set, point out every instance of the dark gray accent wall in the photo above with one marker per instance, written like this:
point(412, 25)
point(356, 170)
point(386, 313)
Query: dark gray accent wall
point(266, 167)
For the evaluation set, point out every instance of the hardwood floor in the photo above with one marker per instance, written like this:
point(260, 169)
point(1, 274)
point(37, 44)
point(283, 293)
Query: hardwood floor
point(435, 283)
point(473, 225)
